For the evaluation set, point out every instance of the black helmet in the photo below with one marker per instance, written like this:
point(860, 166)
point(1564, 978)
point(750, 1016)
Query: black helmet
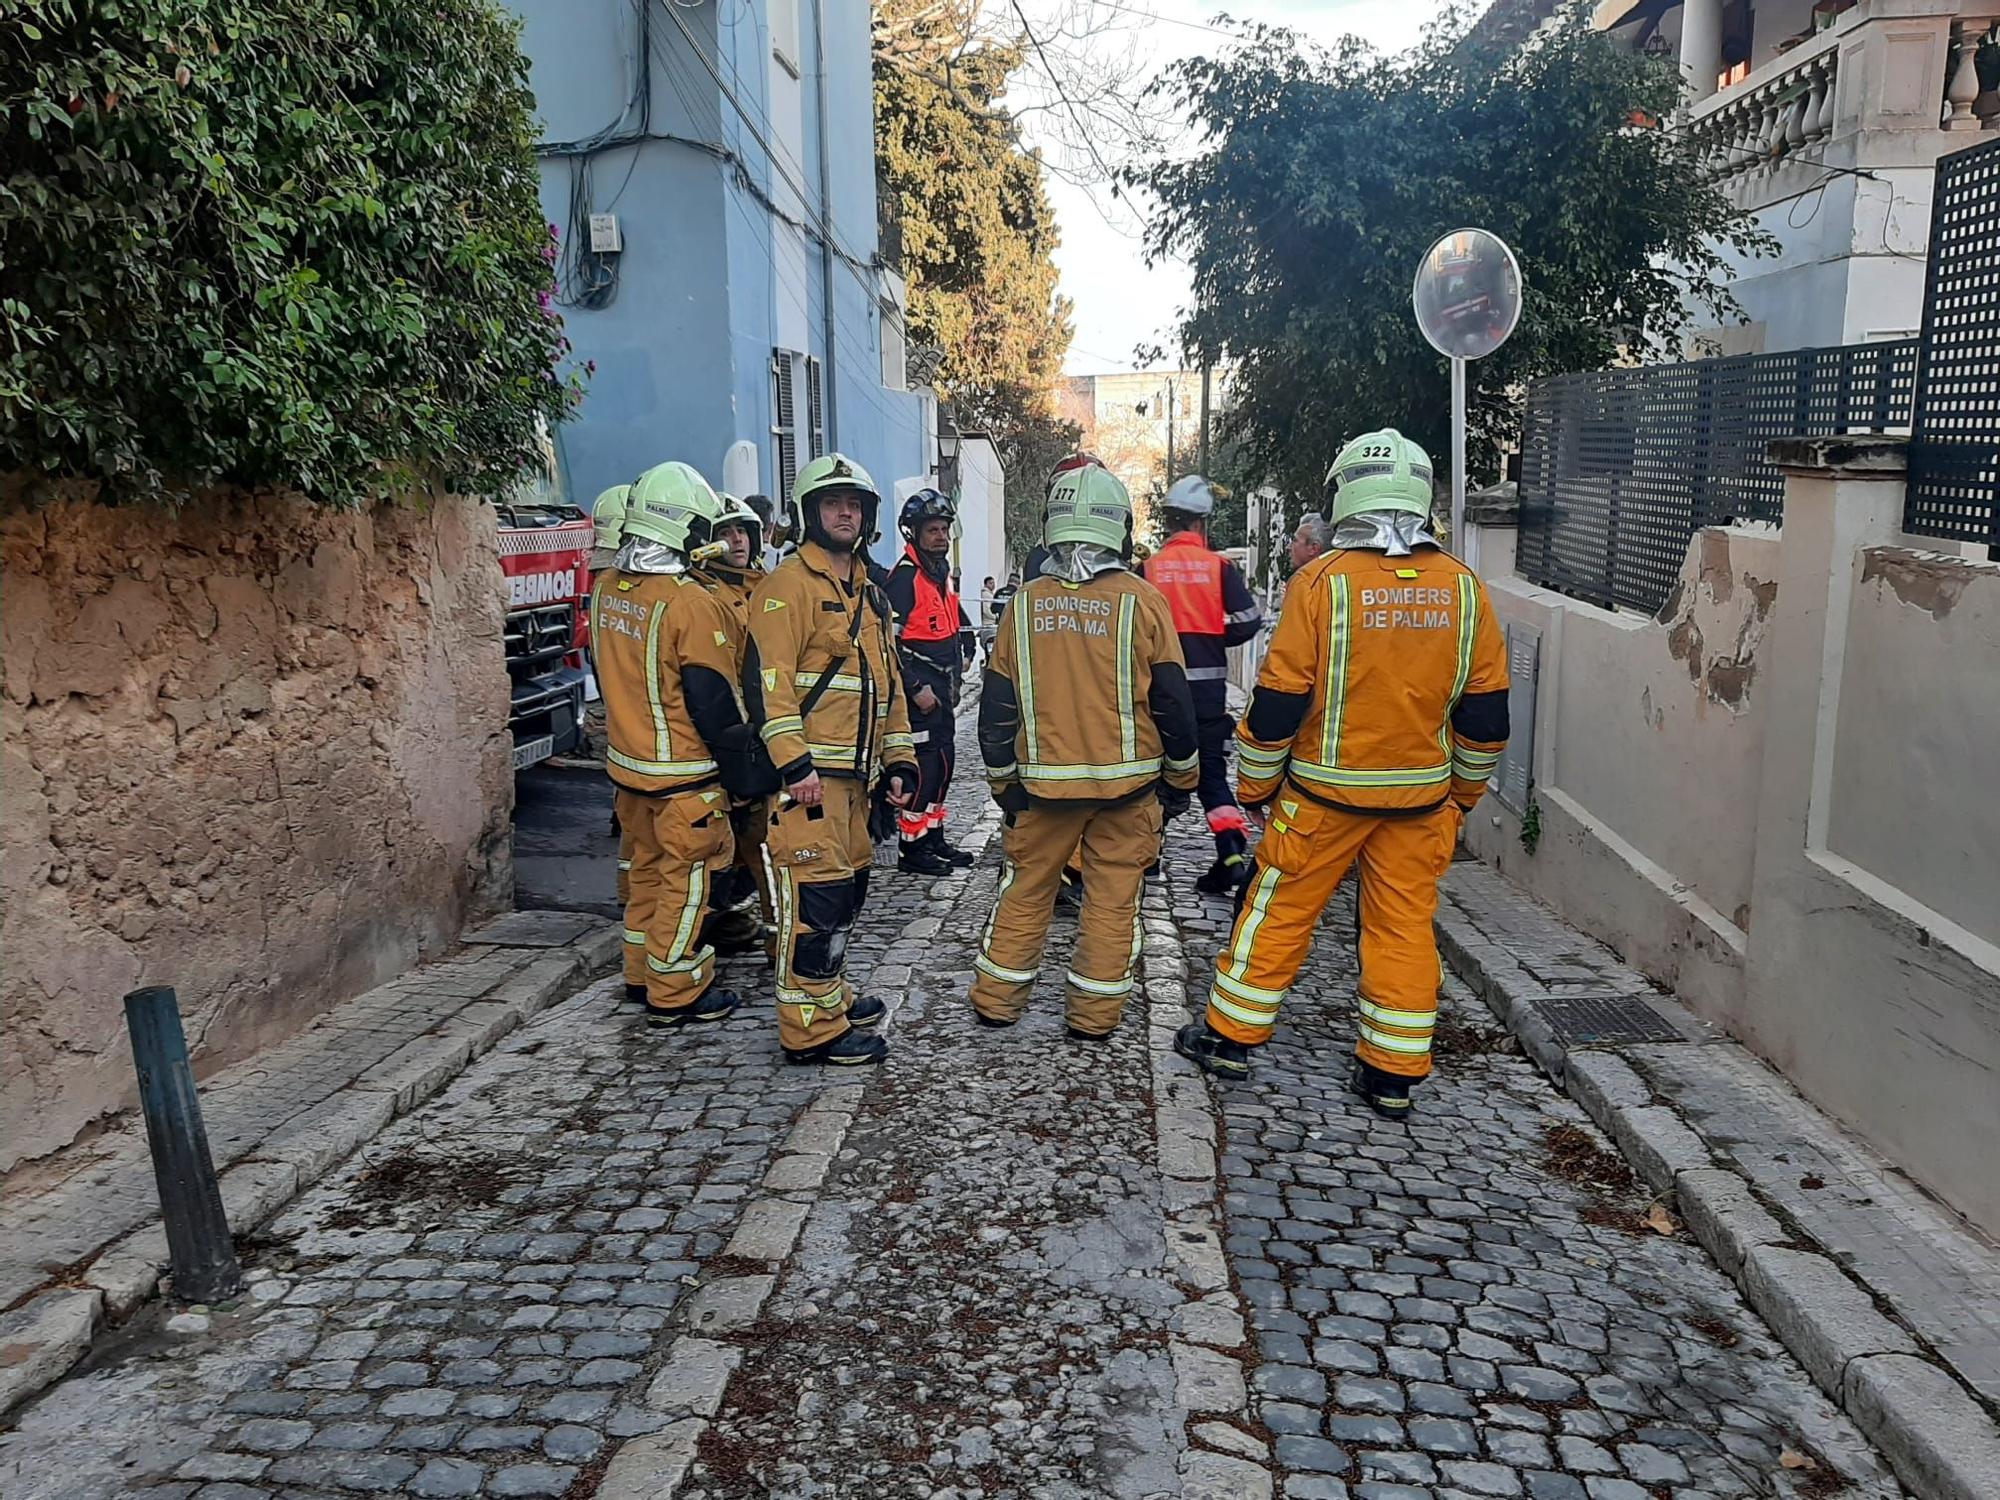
point(924, 505)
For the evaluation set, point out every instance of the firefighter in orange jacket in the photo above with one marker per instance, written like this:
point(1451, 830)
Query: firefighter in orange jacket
point(821, 684)
point(1088, 734)
point(667, 668)
point(1213, 610)
point(1379, 714)
point(934, 641)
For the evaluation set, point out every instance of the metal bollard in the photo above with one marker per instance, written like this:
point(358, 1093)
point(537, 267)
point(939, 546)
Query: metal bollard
point(204, 1257)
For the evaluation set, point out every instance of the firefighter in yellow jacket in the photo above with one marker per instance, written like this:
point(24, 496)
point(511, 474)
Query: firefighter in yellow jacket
point(1379, 714)
point(667, 666)
point(823, 689)
point(607, 519)
point(732, 568)
point(1087, 729)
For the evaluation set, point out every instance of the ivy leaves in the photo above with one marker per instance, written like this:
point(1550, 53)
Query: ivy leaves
point(285, 243)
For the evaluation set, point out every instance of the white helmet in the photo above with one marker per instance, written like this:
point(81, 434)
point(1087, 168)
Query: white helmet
point(1191, 495)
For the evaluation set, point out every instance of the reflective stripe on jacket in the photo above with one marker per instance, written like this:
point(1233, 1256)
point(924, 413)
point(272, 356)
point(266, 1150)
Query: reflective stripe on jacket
point(648, 632)
point(1384, 689)
point(1086, 692)
point(800, 616)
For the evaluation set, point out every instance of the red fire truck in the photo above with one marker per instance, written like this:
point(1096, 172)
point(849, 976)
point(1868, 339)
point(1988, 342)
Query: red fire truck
point(545, 553)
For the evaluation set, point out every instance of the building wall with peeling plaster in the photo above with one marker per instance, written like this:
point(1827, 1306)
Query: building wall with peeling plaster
point(1804, 845)
point(1917, 755)
point(254, 749)
point(1649, 753)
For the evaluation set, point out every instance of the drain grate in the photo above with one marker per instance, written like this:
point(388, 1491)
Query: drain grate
point(1584, 1020)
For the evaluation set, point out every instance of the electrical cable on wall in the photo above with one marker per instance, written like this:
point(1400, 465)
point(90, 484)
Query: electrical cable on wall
point(588, 279)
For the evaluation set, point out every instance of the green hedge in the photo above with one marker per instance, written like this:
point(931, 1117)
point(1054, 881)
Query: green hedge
point(272, 242)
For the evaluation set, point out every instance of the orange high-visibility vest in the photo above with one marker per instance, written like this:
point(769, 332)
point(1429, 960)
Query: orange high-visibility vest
point(1190, 575)
point(934, 609)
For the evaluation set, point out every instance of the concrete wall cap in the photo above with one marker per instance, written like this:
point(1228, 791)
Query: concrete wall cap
point(1496, 505)
point(1858, 456)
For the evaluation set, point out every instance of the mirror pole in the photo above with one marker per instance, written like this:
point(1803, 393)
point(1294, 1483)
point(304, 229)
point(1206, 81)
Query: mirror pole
point(1462, 543)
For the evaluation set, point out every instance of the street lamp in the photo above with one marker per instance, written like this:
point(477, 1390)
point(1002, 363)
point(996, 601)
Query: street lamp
point(1467, 299)
point(948, 444)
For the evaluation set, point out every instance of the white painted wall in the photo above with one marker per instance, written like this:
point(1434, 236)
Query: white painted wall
point(1776, 799)
point(982, 507)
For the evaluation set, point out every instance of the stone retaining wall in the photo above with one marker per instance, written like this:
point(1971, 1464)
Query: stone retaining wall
point(253, 749)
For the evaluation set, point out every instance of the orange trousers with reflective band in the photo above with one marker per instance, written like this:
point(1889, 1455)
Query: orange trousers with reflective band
point(678, 844)
point(1115, 844)
point(818, 860)
point(635, 937)
point(1306, 850)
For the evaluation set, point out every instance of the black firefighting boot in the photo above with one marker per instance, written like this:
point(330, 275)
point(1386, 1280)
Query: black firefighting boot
point(1231, 867)
point(991, 1023)
point(636, 994)
point(1386, 1093)
point(1211, 1051)
point(919, 858)
point(735, 931)
point(958, 859)
point(712, 1005)
point(866, 1010)
point(851, 1049)
point(1070, 892)
point(1078, 1034)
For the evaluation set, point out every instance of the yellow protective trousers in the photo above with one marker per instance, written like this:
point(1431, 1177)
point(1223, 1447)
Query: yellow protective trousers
point(679, 842)
point(818, 860)
point(635, 933)
point(1306, 850)
point(1115, 842)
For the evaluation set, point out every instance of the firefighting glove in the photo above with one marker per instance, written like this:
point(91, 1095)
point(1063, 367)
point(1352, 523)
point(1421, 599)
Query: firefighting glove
point(901, 779)
point(1173, 802)
point(1011, 795)
point(881, 816)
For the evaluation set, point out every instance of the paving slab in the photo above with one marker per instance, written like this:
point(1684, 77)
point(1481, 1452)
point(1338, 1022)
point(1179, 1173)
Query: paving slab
point(534, 929)
point(279, 1121)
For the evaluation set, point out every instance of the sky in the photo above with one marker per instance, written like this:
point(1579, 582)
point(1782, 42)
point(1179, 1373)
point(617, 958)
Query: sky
point(1119, 300)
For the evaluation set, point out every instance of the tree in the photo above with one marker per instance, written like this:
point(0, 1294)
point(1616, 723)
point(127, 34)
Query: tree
point(1322, 176)
point(294, 243)
point(978, 239)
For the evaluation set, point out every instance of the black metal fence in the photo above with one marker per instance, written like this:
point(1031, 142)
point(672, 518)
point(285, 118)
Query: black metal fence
point(1954, 488)
point(1620, 468)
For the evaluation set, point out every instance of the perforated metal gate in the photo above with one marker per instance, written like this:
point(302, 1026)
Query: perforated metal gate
point(1620, 468)
point(1515, 777)
point(1954, 488)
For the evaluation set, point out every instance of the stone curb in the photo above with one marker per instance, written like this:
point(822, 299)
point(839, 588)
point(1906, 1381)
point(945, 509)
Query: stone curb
point(1224, 1463)
point(1938, 1438)
point(691, 1381)
point(45, 1336)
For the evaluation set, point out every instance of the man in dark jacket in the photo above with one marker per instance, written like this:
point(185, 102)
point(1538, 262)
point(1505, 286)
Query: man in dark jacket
point(1213, 610)
point(935, 644)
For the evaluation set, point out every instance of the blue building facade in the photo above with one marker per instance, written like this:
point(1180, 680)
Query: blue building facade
point(747, 302)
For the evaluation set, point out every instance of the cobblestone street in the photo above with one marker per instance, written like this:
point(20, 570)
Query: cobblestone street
point(607, 1262)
